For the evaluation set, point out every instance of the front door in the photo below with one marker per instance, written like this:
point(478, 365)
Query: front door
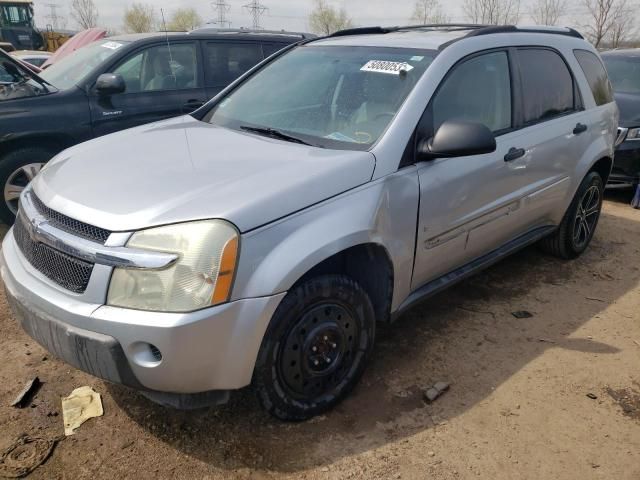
point(467, 204)
point(162, 81)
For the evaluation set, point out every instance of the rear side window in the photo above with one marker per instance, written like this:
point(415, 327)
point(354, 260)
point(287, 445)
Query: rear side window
point(547, 85)
point(477, 90)
point(596, 76)
point(226, 61)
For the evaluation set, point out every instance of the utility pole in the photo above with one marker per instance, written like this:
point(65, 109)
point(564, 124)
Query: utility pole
point(256, 10)
point(53, 17)
point(221, 7)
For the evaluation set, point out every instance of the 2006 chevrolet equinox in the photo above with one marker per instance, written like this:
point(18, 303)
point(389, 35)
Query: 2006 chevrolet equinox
point(259, 240)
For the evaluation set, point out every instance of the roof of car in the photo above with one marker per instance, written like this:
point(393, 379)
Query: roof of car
point(217, 33)
point(429, 36)
point(31, 53)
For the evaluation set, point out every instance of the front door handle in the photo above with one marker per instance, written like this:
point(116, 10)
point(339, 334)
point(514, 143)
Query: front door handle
point(514, 154)
point(192, 106)
point(580, 128)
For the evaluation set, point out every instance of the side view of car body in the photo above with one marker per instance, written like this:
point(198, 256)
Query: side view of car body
point(119, 83)
point(260, 240)
point(624, 71)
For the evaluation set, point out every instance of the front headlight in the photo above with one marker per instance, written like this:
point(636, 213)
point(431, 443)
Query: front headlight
point(201, 277)
point(633, 134)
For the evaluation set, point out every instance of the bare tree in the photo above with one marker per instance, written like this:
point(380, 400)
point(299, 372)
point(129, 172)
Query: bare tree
point(548, 12)
point(139, 18)
point(427, 12)
point(184, 20)
point(325, 19)
point(85, 13)
point(623, 24)
point(601, 14)
point(492, 12)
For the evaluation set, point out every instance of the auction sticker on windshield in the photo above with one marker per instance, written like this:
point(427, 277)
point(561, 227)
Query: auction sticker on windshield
point(382, 66)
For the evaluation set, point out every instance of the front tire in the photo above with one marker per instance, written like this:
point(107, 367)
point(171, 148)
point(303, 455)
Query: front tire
point(578, 226)
point(17, 169)
point(316, 348)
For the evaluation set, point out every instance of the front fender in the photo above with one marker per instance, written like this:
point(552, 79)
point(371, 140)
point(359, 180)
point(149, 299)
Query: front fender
point(384, 212)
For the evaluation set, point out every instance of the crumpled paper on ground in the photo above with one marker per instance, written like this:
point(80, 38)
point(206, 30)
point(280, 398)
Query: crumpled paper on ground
point(83, 403)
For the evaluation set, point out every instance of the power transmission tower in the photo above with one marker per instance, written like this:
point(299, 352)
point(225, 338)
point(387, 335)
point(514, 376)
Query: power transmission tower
point(53, 17)
point(256, 10)
point(221, 7)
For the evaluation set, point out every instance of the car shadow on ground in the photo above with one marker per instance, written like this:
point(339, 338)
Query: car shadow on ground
point(466, 336)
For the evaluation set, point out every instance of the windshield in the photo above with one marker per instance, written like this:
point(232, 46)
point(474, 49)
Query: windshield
point(624, 73)
point(73, 69)
point(16, 15)
point(328, 96)
point(16, 82)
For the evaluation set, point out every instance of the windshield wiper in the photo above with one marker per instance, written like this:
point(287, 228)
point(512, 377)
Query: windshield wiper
point(273, 133)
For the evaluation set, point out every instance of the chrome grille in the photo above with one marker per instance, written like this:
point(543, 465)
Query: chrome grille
point(69, 224)
point(63, 269)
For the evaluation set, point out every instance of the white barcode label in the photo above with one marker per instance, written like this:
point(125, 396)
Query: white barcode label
point(382, 66)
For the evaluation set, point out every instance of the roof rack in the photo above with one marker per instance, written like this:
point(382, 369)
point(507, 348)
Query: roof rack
point(474, 30)
point(230, 31)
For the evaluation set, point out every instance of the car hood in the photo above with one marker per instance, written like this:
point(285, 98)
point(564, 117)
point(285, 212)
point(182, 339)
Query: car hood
point(629, 106)
point(183, 169)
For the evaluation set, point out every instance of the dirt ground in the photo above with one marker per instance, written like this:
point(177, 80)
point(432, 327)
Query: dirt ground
point(517, 407)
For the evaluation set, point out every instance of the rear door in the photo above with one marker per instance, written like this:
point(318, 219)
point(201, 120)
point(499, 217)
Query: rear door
point(162, 81)
point(555, 132)
point(225, 61)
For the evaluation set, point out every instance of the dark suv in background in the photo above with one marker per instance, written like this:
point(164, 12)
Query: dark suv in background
point(114, 84)
point(624, 72)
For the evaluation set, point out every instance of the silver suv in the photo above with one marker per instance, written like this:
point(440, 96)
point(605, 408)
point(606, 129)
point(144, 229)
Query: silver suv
point(335, 185)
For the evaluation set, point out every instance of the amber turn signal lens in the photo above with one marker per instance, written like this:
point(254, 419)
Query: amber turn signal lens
point(226, 272)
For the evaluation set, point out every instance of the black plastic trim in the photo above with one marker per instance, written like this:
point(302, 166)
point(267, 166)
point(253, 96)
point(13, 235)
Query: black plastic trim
point(435, 286)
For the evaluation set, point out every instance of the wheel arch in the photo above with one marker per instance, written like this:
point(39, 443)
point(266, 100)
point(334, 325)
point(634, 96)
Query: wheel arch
point(603, 166)
point(370, 265)
point(54, 143)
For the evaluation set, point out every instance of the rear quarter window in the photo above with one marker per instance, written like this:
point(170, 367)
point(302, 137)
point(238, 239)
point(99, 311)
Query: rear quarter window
point(596, 76)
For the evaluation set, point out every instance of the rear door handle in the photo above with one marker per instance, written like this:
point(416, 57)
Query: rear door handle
point(514, 154)
point(192, 105)
point(580, 128)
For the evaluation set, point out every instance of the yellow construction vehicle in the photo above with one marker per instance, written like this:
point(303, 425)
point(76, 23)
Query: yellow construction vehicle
point(18, 30)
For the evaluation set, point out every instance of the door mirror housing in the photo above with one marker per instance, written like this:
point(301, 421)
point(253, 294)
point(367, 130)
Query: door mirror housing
point(110, 84)
point(458, 138)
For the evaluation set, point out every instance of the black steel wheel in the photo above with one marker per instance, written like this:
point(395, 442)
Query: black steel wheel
point(579, 224)
point(316, 347)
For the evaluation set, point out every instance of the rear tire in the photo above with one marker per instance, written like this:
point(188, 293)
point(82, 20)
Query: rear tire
point(17, 169)
point(578, 226)
point(315, 349)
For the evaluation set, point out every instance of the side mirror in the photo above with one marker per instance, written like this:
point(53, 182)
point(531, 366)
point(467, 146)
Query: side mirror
point(110, 84)
point(458, 138)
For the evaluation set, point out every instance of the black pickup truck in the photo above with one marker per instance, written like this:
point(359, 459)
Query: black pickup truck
point(114, 84)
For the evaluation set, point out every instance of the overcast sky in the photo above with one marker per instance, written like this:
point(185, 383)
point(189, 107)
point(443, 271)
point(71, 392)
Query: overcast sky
point(281, 14)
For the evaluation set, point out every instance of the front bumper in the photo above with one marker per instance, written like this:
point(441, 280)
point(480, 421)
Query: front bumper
point(626, 165)
point(209, 350)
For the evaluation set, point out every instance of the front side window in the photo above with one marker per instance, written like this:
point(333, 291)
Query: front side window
point(624, 73)
point(477, 90)
point(72, 69)
point(329, 96)
point(161, 68)
point(547, 85)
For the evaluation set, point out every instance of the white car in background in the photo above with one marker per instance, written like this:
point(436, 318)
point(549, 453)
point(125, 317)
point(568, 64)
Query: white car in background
point(32, 57)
